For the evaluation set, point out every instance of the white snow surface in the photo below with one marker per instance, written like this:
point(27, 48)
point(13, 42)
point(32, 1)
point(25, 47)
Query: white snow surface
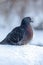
point(21, 55)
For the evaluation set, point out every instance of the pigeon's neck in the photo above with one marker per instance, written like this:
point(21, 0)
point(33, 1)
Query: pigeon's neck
point(25, 26)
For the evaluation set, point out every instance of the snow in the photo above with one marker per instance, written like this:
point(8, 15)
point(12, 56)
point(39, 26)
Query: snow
point(21, 55)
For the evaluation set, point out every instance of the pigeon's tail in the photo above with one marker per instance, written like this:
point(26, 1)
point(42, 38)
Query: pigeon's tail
point(3, 42)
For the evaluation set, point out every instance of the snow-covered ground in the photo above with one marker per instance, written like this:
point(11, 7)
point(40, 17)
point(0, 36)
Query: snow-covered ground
point(21, 55)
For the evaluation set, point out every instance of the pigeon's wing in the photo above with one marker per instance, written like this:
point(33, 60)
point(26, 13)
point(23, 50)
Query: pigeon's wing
point(16, 35)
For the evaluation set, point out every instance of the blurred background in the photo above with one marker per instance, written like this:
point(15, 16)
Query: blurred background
point(12, 12)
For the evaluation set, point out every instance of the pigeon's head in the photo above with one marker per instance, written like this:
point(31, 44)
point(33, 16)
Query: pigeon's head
point(26, 21)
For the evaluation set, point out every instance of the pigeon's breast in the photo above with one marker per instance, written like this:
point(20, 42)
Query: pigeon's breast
point(29, 32)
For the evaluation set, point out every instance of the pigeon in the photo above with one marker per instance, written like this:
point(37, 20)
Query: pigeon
point(20, 35)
